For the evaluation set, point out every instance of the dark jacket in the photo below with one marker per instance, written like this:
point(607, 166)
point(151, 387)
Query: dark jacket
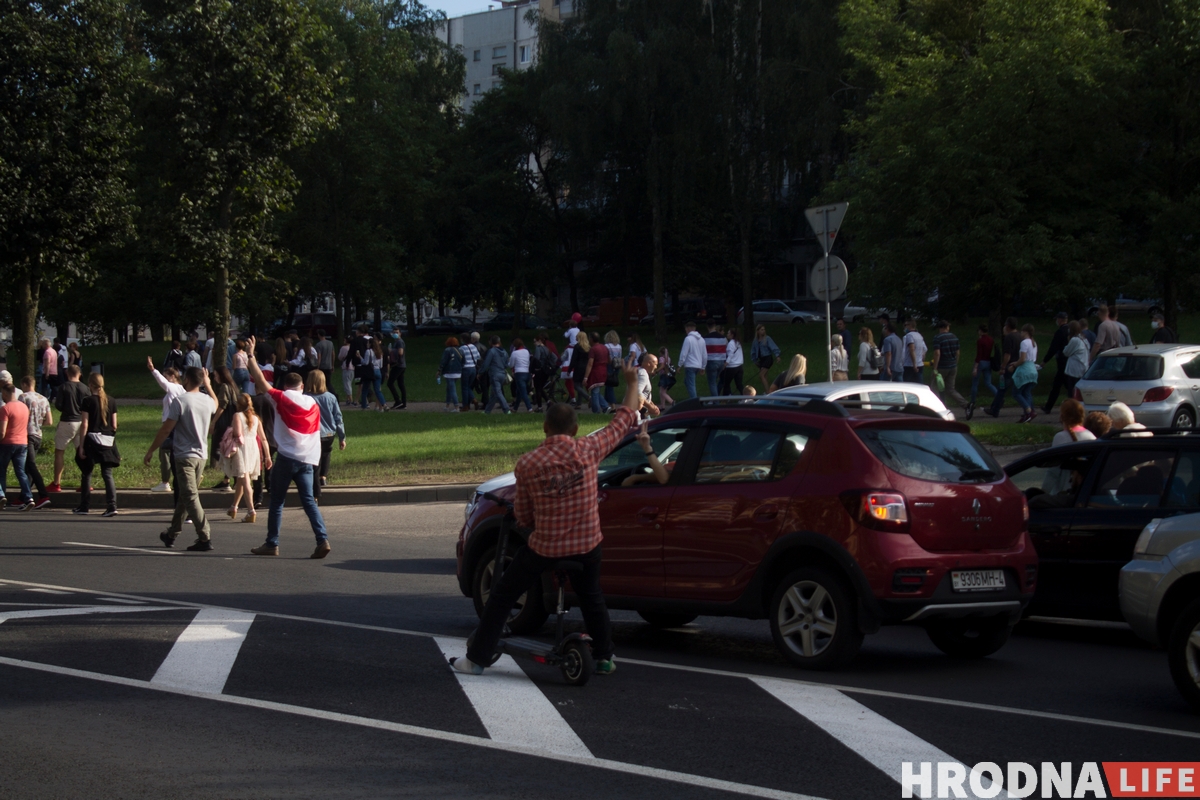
point(1061, 337)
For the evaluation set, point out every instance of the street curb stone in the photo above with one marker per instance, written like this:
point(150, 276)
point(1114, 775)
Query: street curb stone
point(330, 496)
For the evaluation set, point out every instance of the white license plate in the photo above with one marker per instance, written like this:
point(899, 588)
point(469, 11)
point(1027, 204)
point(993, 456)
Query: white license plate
point(977, 580)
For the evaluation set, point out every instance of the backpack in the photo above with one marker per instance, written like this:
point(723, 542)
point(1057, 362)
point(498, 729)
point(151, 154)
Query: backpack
point(546, 362)
point(454, 365)
point(876, 358)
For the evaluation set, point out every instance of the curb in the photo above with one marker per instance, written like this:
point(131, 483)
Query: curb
point(330, 496)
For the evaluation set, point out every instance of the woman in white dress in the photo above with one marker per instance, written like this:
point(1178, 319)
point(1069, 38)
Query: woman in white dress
point(244, 451)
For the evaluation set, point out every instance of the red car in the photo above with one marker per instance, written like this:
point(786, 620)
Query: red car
point(826, 520)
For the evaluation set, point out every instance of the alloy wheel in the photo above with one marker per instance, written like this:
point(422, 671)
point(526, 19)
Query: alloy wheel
point(807, 618)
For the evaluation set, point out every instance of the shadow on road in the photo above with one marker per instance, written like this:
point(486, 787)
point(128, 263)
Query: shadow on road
point(400, 566)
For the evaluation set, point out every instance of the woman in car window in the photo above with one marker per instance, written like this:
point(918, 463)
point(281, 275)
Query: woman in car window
point(794, 375)
point(1025, 376)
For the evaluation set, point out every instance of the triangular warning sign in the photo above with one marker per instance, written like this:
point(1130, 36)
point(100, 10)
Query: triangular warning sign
point(825, 222)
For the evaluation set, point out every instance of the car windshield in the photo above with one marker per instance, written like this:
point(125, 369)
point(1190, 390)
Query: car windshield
point(932, 455)
point(1125, 367)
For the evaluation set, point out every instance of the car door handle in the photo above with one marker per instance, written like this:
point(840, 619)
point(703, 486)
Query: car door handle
point(647, 515)
point(766, 513)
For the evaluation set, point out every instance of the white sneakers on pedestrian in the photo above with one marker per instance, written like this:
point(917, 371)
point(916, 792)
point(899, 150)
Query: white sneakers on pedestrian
point(464, 664)
point(162, 487)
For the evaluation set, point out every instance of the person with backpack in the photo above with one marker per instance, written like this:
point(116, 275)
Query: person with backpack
point(543, 367)
point(450, 370)
point(470, 370)
point(869, 358)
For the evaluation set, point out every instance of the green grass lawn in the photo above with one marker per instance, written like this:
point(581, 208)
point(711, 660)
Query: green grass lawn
point(401, 448)
point(126, 374)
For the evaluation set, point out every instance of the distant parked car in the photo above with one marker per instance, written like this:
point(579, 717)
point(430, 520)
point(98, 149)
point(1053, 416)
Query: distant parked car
point(701, 310)
point(1159, 382)
point(1160, 596)
point(854, 313)
point(1129, 305)
point(778, 311)
point(445, 326)
point(876, 395)
point(504, 322)
point(385, 329)
point(309, 324)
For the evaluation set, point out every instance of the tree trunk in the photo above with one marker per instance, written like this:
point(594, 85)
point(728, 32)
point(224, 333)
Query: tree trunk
point(747, 277)
point(221, 336)
point(378, 321)
point(63, 331)
point(656, 227)
point(25, 313)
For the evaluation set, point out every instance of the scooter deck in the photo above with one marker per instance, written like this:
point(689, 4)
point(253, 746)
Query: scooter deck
point(529, 645)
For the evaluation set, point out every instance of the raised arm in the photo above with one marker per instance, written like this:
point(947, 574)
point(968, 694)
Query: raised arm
point(260, 383)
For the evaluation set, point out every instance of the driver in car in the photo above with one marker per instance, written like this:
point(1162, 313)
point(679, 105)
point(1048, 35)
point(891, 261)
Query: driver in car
point(1064, 498)
point(557, 484)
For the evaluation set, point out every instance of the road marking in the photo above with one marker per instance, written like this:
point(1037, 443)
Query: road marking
point(48, 591)
point(917, 698)
point(1111, 625)
point(120, 600)
point(76, 610)
point(881, 742)
point(512, 708)
point(43, 605)
point(146, 550)
point(204, 653)
point(425, 733)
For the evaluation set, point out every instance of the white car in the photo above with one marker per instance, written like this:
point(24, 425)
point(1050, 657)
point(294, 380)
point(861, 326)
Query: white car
point(1159, 382)
point(879, 395)
point(778, 311)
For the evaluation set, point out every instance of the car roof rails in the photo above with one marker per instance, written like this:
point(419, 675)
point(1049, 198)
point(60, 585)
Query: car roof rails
point(806, 404)
point(1140, 433)
point(908, 408)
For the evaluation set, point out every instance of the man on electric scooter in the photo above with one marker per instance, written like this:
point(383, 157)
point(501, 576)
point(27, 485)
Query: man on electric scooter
point(557, 485)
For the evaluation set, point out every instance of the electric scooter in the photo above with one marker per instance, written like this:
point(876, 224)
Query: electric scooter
point(571, 653)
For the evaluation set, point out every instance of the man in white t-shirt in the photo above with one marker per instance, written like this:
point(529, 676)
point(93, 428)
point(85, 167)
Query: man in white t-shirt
point(572, 334)
point(172, 388)
point(914, 353)
point(298, 437)
point(647, 366)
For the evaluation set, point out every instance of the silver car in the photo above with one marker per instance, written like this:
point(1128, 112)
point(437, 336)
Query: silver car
point(779, 311)
point(880, 395)
point(1160, 596)
point(1159, 382)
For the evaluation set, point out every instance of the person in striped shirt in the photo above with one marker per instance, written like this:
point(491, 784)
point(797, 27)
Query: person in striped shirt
point(298, 436)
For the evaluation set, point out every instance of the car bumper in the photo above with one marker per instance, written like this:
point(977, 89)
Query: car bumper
point(1143, 583)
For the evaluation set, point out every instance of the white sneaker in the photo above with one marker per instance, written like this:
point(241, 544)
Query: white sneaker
point(162, 487)
point(464, 664)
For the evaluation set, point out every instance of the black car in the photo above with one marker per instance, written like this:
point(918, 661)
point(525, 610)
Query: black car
point(1088, 503)
point(704, 310)
point(504, 322)
point(445, 326)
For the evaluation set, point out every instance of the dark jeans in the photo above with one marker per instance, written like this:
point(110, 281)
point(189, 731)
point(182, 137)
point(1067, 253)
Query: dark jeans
point(524, 574)
point(731, 375)
point(285, 471)
point(913, 374)
point(496, 395)
point(31, 467)
point(1068, 387)
point(16, 453)
point(521, 391)
point(468, 386)
point(1058, 384)
point(712, 371)
point(998, 400)
point(86, 465)
point(983, 375)
point(396, 386)
point(323, 468)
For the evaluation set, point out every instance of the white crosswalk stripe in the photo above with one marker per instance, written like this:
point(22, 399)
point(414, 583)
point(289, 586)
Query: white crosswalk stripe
point(204, 654)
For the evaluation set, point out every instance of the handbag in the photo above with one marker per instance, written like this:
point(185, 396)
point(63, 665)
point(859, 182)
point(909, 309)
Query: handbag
point(102, 449)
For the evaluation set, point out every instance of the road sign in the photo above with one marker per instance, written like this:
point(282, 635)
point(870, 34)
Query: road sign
point(825, 222)
point(835, 287)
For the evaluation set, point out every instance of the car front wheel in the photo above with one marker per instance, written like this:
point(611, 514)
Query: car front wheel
point(814, 619)
point(969, 638)
point(526, 617)
point(1183, 653)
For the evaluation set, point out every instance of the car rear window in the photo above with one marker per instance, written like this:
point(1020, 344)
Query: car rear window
point(1125, 367)
point(932, 455)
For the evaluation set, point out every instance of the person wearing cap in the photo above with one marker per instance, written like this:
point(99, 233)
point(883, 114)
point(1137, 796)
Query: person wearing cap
point(572, 334)
point(1062, 335)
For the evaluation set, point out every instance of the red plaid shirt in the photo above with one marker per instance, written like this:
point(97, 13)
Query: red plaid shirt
point(557, 485)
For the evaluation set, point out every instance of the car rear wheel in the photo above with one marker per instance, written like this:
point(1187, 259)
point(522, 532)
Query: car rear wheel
point(797, 320)
point(1185, 418)
point(662, 619)
point(969, 638)
point(527, 616)
point(1183, 653)
point(814, 619)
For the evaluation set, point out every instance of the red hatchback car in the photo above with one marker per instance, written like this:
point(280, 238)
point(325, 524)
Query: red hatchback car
point(827, 520)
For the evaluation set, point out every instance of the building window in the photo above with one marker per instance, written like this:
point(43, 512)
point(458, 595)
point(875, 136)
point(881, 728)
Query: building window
point(478, 89)
point(478, 55)
point(497, 67)
point(524, 54)
point(495, 84)
point(499, 52)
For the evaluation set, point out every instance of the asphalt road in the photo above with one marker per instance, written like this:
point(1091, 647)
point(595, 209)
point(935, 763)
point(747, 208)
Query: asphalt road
point(130, 671)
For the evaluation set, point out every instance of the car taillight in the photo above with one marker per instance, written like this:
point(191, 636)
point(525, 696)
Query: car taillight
point(883, 511)
point(1158, 394)
point(1024, 513)
point(1079, 395)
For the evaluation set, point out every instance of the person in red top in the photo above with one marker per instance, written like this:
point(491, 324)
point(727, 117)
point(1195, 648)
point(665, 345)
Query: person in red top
point(982, 371)
point(557, 485)
point(14, 439)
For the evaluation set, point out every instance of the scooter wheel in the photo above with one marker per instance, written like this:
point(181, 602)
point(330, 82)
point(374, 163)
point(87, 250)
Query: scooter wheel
point(577, 664)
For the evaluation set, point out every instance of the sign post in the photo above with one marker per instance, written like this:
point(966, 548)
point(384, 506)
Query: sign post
point(825, 222)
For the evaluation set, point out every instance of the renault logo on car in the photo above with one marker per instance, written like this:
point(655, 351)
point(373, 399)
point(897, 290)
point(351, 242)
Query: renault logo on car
point(975, 517)
point(975, 507)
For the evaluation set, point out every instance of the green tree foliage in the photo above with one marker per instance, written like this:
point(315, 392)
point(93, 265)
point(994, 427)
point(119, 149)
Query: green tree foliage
point(238, 85)
point(64, 130)
point(988, 153)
